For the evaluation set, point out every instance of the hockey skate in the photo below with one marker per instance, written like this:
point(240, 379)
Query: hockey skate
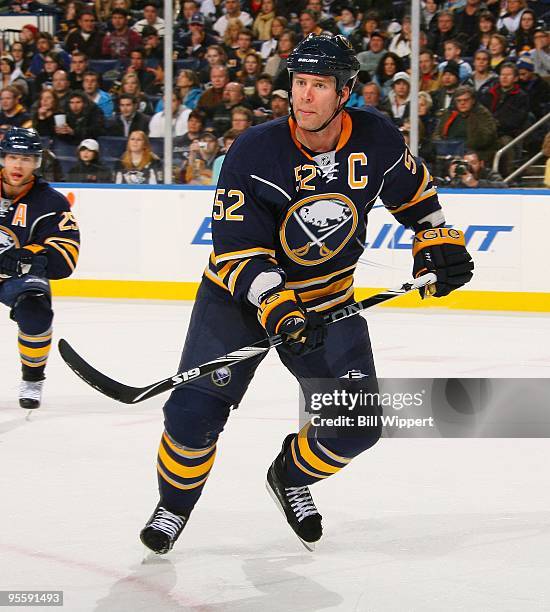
point(30, 394)
point(162, 530)
point(295, 503)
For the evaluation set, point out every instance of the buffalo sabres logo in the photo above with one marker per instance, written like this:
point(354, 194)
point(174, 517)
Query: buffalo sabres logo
point(318, 227)
point(221, 377)
point(8, 239)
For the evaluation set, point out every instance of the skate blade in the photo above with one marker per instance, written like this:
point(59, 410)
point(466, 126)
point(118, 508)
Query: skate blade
point(29, 414)
point(307, 545)
point(151, 558)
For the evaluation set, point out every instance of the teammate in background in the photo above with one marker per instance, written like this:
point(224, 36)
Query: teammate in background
point(288, 227)
point(39, 240)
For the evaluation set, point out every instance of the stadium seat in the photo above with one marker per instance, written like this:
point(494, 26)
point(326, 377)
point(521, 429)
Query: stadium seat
point(63, 149)
point(66, 164)
point(186, 64)
point(112, 146)
point(157, 146)
point(449, 148)
point(103, 66)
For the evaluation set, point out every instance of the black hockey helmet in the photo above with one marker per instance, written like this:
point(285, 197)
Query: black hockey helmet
point(327, 55)
point(21, 141)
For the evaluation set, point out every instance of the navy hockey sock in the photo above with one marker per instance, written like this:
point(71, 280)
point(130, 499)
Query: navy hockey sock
point(182, 474)
point(307, 460)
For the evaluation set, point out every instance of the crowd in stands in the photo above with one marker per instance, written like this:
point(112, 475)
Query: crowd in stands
point(93, 89)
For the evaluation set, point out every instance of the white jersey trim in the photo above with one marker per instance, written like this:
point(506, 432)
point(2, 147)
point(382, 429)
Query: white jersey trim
point(259, 178)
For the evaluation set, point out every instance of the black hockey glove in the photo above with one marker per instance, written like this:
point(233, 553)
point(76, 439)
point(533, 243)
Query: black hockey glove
point(282, 312)
point(16, 262)
point(443, 251)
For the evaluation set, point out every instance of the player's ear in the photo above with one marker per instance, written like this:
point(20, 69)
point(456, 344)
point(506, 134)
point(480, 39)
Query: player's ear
point(346, 93)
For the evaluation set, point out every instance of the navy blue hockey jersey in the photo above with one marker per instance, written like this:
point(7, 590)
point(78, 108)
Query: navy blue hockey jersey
point(280, 204)
point(41, 219)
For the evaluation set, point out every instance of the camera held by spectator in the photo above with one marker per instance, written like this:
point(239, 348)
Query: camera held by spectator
point(469, 172)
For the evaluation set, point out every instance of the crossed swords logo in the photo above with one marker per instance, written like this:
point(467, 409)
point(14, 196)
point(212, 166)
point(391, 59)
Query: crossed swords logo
point(324, 251)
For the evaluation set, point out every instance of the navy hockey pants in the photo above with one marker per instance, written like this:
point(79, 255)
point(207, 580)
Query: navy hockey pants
point(196, 413)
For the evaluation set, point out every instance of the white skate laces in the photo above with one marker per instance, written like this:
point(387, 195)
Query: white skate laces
point(301, 502)
point(167, 522)
point(31, 390)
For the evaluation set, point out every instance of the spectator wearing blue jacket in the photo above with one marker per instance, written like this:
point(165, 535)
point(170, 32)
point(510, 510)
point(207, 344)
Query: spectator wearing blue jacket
point(90, 85)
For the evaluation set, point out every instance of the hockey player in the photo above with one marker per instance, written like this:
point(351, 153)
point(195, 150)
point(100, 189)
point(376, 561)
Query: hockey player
point(39, 240)
point(288, 225)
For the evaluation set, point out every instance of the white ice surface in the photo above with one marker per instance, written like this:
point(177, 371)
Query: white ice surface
point(411, 525)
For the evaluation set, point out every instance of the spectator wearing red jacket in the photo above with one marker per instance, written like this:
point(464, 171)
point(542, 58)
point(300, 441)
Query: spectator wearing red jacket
point(121, 41)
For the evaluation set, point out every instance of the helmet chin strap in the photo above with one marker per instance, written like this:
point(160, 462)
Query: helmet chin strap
point(338, 110)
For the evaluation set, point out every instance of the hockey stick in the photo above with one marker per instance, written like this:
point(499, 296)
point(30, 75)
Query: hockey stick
point(133, 395)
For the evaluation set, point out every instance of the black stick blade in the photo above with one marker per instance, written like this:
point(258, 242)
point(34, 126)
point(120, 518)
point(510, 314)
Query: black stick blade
point(109, 387)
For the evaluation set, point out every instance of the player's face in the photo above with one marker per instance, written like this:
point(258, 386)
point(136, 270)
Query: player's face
point(18, 169)
point(314, 99)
